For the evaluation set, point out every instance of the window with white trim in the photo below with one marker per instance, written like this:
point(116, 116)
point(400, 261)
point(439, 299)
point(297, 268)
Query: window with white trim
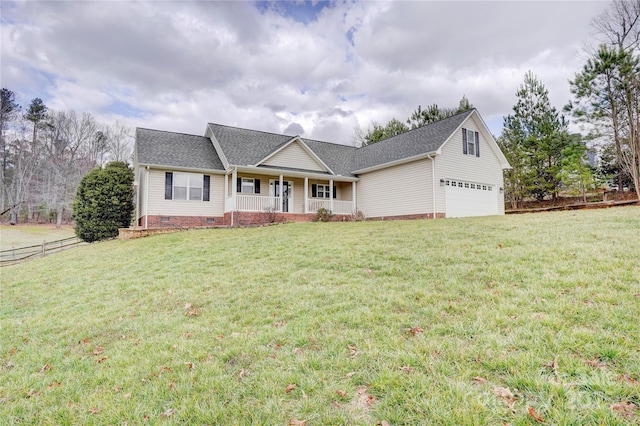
point(187, 186)
point(248, 186)
point(323, 191)
point(470, 143)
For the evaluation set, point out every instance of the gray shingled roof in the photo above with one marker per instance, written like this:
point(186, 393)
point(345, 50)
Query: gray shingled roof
point(244, 147)
point(155, 147)
point(422, 140)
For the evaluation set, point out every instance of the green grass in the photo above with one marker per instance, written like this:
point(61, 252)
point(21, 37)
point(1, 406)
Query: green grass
point(27, 235)
point(329, 307)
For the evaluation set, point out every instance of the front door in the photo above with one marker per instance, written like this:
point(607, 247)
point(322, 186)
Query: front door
point(287, 192)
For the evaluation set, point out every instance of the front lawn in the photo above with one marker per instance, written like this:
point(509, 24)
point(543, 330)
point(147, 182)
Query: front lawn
point(498, 320)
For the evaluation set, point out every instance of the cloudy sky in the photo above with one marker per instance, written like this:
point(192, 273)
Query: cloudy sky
point(317, 69)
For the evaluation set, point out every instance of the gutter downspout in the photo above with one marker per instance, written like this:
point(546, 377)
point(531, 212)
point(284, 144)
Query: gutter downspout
point(433, 180)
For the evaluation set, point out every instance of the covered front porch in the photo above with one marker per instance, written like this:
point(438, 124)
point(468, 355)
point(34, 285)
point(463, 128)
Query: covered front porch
point(293, 193)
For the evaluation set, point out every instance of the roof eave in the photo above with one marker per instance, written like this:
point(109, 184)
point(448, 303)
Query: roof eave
point(397, 162)
point(182, 169)
point(292, 173)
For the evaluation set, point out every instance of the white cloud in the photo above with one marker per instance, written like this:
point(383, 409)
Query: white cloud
point(178, 65)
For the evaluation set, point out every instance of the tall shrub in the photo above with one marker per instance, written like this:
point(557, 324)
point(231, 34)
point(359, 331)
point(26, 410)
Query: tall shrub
point(104, 202)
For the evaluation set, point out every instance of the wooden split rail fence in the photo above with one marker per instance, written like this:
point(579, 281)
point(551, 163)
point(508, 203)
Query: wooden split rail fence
point(21, 254)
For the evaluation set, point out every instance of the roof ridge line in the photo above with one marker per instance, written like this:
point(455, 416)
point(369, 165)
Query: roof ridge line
point(281, 134)
point(169, 131)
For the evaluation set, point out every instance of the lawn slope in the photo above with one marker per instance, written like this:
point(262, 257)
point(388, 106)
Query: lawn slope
point(459, 321)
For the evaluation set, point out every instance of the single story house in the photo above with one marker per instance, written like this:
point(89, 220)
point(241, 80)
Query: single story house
point(233, 176)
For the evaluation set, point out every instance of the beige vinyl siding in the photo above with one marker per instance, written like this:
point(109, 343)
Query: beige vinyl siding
point(454, 164)
point(294, 156)
point(159, 206)
point(399, 190)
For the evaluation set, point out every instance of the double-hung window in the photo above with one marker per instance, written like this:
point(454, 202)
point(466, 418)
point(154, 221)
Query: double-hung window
point(248, 185)
point(470, 143)
point(186, 186)
point(322, 191)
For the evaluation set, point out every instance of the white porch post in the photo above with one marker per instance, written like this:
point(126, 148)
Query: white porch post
point(234, 189)
point(146, 198)
point(306, 195)
point(331, 195)
point(280, 193)
point(226, 191)
point(353, 195)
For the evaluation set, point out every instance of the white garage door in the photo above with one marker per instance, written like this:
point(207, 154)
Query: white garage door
point(470, 199)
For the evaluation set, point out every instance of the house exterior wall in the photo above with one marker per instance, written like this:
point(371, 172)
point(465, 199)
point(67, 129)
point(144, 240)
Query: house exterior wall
point(158, 206)
point(454, 164)
point(294, 156)
point(400, 190)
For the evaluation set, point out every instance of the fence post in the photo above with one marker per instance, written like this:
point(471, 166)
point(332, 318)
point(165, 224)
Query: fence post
point(43, 247)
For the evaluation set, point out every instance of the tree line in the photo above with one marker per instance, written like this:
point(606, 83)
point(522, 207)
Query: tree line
point(546, 158)
point(45, 153)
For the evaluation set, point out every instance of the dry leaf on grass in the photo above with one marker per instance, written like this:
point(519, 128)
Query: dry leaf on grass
point(553, 364)
point(533, 414)
point(98, 350)
point(94, 410)
point(54, 384)
point(479, 380)
point(625, 408)
point(168, 413)
point(414, 330)
point(101, 360)
point(506, 395)
point(190, 365)
point(190, 310)
point(296, 422)
point(406, 369)
point(363, 400)
point(32, 393)
point(595, 363)
point(163, 369)
point(44, 368)
point(289, 388)
point(353, 352)
point(627, 378)
point(341, 393)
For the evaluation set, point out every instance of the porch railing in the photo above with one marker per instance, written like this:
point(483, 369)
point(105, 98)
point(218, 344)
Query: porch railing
point(257, 203)
point(252, 203)
point(337, 207)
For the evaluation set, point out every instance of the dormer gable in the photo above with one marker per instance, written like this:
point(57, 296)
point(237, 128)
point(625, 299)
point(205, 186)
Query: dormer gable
point(295, 154)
